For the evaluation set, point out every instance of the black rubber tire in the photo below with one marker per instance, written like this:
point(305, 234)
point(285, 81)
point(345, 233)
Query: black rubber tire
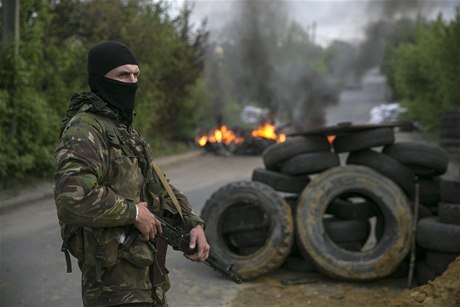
point(251, 238)
point(449, 213)
point(437, 236)
point(298, 264)
point(450, 187)
point(361, 140)
point(257, 261)
point(425, 160)
point(438, 262)
point(429, 191)
point(387, 166)
point(334, 261)
point(346, 231)
point(293, 146)
point(310, 163)
point(352, 246)
point(401, 271)
point(280, 182)
point(423, 273)
point(349, 210)
point(423, 212)
point(244, 219)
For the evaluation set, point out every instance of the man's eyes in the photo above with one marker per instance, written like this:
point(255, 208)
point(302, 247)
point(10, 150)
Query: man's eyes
point(128, 75)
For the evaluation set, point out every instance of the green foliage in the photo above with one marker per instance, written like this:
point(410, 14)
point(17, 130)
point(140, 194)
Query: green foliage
point(426, 73)
point(36, 83)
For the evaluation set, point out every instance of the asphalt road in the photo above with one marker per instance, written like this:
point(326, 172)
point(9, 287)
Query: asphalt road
point(33, 268)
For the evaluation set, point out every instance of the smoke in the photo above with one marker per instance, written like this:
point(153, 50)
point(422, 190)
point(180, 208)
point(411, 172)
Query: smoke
point(269, 61)
point(384, 17)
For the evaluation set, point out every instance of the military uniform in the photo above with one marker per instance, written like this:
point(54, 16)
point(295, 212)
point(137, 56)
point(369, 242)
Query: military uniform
point(103, 168)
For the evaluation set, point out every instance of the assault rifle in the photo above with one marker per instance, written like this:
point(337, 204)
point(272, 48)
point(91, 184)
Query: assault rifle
point(179, 240)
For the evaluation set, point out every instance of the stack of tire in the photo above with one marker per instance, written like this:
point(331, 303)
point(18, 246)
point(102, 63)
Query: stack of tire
point(449, 134)
point(410, 164)
point(338, 210)
point(439, 235)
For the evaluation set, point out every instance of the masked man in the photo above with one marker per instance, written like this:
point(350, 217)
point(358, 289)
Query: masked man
point(107, 186)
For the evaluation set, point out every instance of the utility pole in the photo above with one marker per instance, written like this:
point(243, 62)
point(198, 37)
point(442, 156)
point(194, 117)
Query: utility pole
point(10, 21)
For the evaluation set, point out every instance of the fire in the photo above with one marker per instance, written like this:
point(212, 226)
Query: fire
point(227, 136)
point(268, 131)
point(220, 135)
point(331, 138)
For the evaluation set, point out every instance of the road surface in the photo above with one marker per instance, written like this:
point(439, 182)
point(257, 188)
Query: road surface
point(33, 267)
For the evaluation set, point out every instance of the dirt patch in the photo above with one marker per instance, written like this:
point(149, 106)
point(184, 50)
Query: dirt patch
point(443, 291)
point(285, 288)
point(315, 290)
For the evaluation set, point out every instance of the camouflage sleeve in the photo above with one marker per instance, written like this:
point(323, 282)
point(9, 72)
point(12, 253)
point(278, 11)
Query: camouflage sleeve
point(81, 159)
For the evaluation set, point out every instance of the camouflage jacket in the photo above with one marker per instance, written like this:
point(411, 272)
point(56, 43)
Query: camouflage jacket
point(102, 167)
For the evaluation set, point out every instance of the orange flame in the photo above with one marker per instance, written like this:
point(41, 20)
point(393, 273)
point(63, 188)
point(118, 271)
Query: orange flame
point(227, 136)
point(221, 135)
point(268, 131)
point(331, 138)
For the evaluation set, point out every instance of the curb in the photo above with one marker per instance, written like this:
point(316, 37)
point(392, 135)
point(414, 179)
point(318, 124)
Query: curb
point(45, 189)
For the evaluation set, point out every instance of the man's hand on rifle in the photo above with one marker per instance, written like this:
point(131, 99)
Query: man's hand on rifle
point(198, 238)
point(147, 224)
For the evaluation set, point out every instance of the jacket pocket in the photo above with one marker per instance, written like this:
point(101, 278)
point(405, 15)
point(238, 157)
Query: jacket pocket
point(101, 246)
point(140, 253)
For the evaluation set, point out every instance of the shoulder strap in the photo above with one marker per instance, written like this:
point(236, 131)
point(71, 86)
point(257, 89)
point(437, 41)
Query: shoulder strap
point(168, 188)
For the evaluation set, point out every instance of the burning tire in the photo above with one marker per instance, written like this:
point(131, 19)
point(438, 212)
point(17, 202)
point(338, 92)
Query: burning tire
point(386, 166)
point(425, 160)
point(293, 146)
point(257, 242)
point(310, 163)
point(365, 139)
point(377, 262)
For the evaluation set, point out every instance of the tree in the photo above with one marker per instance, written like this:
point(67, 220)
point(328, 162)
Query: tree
point(426, 73)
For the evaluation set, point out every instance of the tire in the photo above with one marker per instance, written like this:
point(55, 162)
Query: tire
point(244, 219)
point(362, 140)
point(293, 146)
point(334, 261)
point(298, 264)
point(449, 213)
point(252, 238)
point(423, 273)
point(280, 182)
point(349, 210)
point(387, 166)
point(310, 163)
point(425, 160)
point(450, 187)
point(438, 262)
point(352, 246)
point(250, 262)
point(436, 236)
point(423, 212)
point(429, 191)
point(346, 231)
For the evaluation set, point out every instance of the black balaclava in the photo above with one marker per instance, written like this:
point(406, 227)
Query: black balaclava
point(102, 58)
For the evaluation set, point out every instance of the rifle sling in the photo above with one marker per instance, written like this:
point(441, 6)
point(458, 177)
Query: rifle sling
point(168, 188)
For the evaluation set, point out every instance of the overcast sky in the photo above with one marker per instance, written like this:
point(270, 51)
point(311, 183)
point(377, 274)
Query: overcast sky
point(344, 19)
